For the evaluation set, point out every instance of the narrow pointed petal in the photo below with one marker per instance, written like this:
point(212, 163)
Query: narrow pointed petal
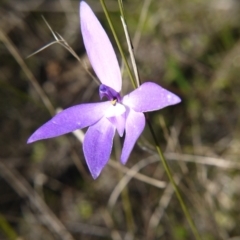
point(135, 124)
point(97, 146)
point(150, 97)
point(99, 49)
point(70, 119)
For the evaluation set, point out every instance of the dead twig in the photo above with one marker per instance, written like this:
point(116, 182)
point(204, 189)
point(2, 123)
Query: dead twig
point(24, 190)
point(13, 50)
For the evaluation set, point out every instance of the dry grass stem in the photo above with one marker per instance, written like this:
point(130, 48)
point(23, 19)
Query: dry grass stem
point(25, 191)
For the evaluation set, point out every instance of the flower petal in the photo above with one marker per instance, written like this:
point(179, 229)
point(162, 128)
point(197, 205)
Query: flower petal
point(99, 49)
point(97, 145)
point(119, 123)
point(70, 119)
point(150, 97)
point(135, 124)
point(115, 110)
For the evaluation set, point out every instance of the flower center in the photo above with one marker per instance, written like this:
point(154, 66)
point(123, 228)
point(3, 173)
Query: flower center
point(113, 102)
point(109, 93)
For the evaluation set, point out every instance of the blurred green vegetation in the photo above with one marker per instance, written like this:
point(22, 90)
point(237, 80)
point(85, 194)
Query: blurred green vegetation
point(191, 48)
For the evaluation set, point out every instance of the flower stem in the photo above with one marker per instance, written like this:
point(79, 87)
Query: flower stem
point(168, 171)
point(125, 193)
point(129, 43)
point(117, 42)
point(160, 153)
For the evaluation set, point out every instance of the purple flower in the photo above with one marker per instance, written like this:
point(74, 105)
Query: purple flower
point(117, 113)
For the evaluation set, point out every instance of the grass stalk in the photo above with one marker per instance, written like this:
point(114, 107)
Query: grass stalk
point(170, 176)
point(118, 43)
point(159, 151)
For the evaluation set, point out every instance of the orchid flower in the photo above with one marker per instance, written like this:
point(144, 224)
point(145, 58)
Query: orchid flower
point(124, 114)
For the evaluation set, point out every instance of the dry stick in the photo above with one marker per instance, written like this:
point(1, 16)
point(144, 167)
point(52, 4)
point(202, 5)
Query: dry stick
point(212, 161)
point(118, 43)
point(139, 176)
point(159, 211)
point(204, 160)
point(115, 235)
point(61, 41)
point(24, 190)
point(129, 44)
point(169, 190)
point(12, 49)
point(125, 199)
point(177, 192)
point(129, 175)
point(130, 50)
point(172, 144)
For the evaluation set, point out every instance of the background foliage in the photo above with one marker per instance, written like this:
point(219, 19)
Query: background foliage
point(191, 48)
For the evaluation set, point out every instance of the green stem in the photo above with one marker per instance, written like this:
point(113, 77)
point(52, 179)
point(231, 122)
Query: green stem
point(125, 193)
point(117, 42)
point(160, 153)
point(121, 8)
point(129, 43)
point(7, 229)
point(168, 171)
